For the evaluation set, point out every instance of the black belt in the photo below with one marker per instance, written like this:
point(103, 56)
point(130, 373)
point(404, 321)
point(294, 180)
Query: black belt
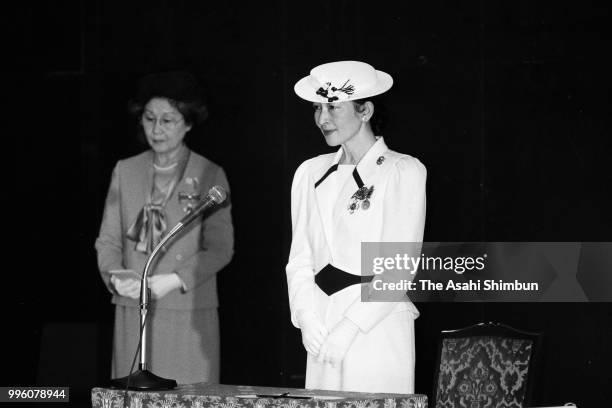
point(331, 279)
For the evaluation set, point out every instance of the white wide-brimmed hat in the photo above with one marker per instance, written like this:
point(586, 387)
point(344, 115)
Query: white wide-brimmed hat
point(342, 81)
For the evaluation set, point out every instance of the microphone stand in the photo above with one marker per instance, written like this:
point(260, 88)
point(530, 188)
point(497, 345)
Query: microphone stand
point(143, 379)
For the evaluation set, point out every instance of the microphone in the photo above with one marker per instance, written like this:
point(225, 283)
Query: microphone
point(216, 195)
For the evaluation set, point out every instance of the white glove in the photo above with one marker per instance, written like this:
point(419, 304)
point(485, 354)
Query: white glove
point(313, 331)
point(127, 287)
point(337, 343)
point(161, 285)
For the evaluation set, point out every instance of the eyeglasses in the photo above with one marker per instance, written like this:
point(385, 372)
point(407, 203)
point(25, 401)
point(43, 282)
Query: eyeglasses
point(166, 123)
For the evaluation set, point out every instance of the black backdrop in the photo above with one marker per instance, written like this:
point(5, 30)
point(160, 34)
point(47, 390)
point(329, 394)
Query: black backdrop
point(506, 103)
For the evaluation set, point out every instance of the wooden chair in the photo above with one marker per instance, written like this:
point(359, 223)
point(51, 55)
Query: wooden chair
point(485, 365)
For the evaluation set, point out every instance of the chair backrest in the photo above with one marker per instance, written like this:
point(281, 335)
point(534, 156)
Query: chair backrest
point(485, 365)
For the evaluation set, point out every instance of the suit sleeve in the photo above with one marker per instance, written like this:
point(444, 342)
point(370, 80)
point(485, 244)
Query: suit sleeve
point(109, 244)
point(217, 243)
point(403, 221)
point(300, 267)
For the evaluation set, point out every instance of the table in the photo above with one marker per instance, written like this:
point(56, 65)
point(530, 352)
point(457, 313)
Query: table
point(206, 395)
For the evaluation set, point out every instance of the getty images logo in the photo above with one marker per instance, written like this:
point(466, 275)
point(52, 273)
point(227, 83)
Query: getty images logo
point(457, 264)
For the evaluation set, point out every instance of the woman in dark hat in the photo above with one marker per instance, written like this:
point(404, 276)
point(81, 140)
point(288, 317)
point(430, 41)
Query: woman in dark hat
point(149, 193)
point(359, 336)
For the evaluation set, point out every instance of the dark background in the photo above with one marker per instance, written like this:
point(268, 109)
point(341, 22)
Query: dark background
point(506, 103)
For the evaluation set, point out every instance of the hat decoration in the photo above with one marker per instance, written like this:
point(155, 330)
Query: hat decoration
point(333, 94)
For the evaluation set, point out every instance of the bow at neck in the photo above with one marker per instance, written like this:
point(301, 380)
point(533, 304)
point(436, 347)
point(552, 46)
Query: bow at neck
point(150, 225)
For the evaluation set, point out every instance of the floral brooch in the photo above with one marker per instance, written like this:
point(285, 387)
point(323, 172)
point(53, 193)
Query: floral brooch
point(361, 198)
point(188, 199)
point(333, 93)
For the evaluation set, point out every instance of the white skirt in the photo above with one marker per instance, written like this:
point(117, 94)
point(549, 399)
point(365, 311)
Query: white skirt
point(380, 361)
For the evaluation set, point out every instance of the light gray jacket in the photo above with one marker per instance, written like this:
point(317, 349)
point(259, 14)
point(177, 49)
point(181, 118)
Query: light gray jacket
point(203, 249)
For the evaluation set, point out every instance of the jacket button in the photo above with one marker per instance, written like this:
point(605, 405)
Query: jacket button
point(179, 257)
point(380, 160)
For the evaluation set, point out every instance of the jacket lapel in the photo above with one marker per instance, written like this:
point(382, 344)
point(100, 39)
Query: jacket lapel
point(174, 209)
point(147, 178)
point(326, 193)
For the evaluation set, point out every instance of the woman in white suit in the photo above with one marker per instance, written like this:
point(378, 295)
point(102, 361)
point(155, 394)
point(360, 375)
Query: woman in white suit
point(364, 192)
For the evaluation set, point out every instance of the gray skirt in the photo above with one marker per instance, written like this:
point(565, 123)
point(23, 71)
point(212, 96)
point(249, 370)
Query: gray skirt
point(182, 344)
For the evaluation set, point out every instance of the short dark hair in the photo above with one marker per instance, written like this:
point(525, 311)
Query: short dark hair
point(379, 118)
point(179, 88)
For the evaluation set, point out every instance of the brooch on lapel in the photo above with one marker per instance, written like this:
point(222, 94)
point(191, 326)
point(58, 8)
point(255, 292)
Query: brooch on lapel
point(188, 199)
point(361, 198)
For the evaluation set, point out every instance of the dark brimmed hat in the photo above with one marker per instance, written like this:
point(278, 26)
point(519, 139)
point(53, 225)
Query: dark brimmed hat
point(180, 86)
